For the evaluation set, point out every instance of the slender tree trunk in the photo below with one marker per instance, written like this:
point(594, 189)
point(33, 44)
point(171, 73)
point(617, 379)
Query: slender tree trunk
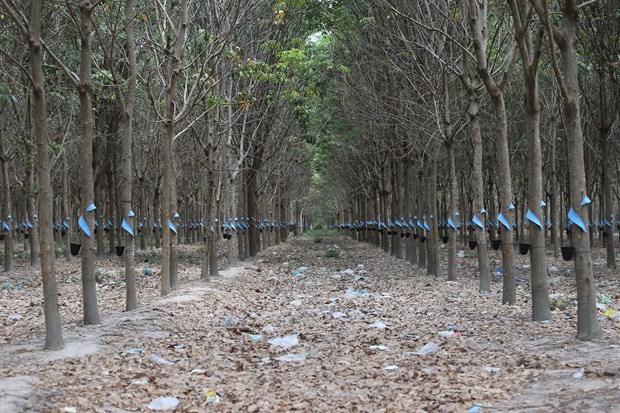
point(53, 322)
point(453, 206)
point(587, 322)
point(174, 68)
point(89, 285)
point(478, 202)
point(6, 207)
point(131, 294)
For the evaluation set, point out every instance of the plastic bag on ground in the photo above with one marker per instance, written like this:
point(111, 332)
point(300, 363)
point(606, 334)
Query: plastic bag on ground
point(164, 403)
point(286, 341)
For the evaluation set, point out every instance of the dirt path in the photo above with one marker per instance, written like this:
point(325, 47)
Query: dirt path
point(301, 329)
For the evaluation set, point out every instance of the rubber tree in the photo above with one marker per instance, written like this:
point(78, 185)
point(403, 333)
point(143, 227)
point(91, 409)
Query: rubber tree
point(477, 15)
point(31, 30)
point(564, 35)
point(530, 51)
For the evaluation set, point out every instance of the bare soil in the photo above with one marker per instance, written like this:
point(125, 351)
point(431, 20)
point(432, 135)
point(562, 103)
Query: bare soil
point(356, 316)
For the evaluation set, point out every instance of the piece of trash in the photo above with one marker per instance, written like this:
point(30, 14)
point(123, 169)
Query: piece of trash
point(492, 369)
point(154, 358)
point(14, 317)
point(453, 327)
point(605, 301)
point(296, 303)
point(553, 269)
point(164, 403)
point(231, 321)
point(601, 306)
point(146, 272)
point(379, 324)
point(382, 348)
point(579, 374)
point(500, 270)
point(427, 370)
point(412, 336)
point(349, 271)
point(255, 337)
point(133, 350)
point(17, 288)
point(475, 409)
point(269, 329)
point(351, 291)
point(342, 394)
point(360, 267)
point(212, 396)
point(303, 269)
point(295, 272)
point(69, 409)
point(286, 341)
point(198, 371)
point(426, 349)
point(292, 357)
point(7, 286)
point(610, 313)
point(142, 382)
point(518, 279)
point(447, 333)
point(338, 314)
point(452, 282)
point(392, 367)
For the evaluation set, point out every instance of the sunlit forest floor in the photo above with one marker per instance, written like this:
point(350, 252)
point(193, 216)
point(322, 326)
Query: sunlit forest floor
point(319, 323)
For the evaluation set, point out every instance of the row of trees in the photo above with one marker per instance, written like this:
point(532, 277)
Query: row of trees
point(125, 116)
point(503, 111)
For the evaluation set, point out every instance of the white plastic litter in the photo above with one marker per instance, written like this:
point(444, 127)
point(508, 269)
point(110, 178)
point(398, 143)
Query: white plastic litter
point(292, 357)
point(154, 358)
point(579, 374)
point(447, 333)
point(426, 349)
point(338, 314)
point(296, 303)
point(382, 348)
point(492, 369)
point(379, 324)
point(392, 367)
point(198, 371)
point(164, 403)
point(286, 341)
point(349, 271)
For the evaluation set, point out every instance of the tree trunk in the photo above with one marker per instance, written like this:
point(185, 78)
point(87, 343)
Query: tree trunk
point(131, 294)
point(89, 285)
point(6, 207)
point(174, 66)
point(478, 201)
point(587, 322)
point(53, 322)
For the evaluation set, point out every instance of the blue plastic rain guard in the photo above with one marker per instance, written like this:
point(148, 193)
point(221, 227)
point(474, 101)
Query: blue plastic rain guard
point(586, 201)
point(28, 224)
point(511, 207)
point(533, 218)
point(131, 214)
point(176, 215)
point(542, 204)
point(172, 227)
point(127, 227)
point(90, 207)
point(428, 228)
point(477, 221)
point(576, 219)
point(451, 223)
point(84, 227)
point(502, 219)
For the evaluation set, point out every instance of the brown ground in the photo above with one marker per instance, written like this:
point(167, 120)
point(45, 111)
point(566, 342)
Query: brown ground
point(501, 360)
